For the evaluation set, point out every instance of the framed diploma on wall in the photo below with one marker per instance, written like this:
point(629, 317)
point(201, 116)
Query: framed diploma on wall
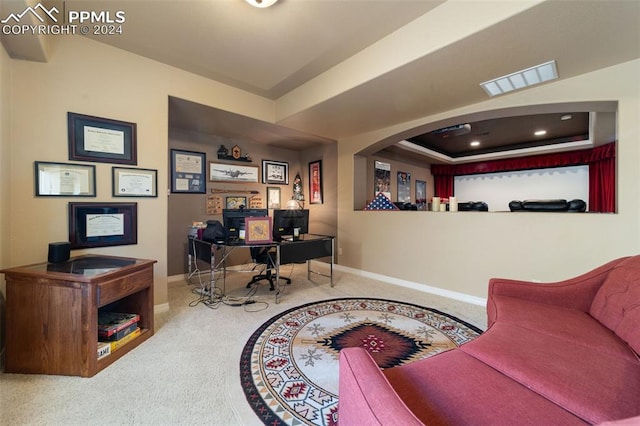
point(101, 139)
point(130, 182)
point(65, 179)
point(102, 224)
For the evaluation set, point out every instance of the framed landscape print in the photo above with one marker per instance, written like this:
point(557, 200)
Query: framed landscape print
point(219, 172)
point(275, 172)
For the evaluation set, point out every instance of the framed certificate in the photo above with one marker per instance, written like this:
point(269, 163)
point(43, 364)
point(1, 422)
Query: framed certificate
point(102, 224)
point(188, 172)
point(130, 182)
point(64, 180)
point(101, 139)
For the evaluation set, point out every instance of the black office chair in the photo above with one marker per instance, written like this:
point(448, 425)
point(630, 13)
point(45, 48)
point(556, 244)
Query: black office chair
point(262, 256)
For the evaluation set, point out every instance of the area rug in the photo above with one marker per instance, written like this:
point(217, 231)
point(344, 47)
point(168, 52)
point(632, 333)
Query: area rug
point(289, 366)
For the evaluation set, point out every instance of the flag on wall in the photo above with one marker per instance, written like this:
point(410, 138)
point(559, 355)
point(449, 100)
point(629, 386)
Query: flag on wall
point(381, 202)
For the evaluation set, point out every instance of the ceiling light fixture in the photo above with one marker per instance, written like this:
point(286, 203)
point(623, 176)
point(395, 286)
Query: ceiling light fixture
point(566, 117)
point(540, 132)
point(521, 79)
point(261, 3)
point(474, 143)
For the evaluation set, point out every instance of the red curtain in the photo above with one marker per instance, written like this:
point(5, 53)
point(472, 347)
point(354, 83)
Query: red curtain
point(602, 172)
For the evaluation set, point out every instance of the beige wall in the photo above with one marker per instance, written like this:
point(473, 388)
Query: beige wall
point(91, 78)
point(184, 209)
point(5, 179)
point(461, 251)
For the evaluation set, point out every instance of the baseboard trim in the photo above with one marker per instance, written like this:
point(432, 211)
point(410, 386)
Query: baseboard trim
point(463, 297)
point(159, 309)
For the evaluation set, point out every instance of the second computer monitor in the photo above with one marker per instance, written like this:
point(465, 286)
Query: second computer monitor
point(286, 221)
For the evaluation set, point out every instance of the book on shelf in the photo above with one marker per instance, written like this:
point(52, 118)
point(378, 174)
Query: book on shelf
point(104, 349)
point(107, 348)
point(119, 334)
point(110, 323)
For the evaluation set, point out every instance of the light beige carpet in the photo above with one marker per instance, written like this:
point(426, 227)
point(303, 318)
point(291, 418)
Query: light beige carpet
point(188, 372)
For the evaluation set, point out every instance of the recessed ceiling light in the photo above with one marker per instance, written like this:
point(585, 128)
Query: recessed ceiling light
point(475, 143)
point(540, 132)
point(566, 117)
point(520, 79)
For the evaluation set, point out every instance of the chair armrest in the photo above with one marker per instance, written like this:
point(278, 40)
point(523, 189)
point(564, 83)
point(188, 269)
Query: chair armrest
point(575, 293)
point(365, 395)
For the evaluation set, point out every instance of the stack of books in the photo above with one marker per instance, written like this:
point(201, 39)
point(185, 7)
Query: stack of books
point(116, 329)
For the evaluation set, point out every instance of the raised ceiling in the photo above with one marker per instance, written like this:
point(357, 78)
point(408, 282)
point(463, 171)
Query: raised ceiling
point(335, 69)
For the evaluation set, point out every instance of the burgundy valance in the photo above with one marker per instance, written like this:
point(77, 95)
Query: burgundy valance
point(542, 161)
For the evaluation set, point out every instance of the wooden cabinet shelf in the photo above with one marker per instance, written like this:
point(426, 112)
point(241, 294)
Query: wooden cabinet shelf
point(52, 312)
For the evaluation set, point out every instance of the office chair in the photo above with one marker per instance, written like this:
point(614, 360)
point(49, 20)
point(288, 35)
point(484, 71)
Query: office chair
point(262, 256)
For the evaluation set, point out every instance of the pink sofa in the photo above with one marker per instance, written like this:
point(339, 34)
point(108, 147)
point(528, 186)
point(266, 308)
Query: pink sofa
point(554, 354)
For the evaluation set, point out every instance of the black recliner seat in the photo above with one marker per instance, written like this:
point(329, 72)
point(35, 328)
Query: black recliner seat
point(557, 205)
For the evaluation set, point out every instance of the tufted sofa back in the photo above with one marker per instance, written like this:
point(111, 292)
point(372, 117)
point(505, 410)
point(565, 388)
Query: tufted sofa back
point(617, 302)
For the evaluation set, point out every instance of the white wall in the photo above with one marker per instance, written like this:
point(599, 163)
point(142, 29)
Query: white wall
point(498, 189)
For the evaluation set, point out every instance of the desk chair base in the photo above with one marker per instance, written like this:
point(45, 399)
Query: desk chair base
point(268, 276)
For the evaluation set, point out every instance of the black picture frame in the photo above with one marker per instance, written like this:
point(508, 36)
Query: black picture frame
point(101, 140)
point(102, 224)
point(188, 172)
point(134, 182)
point(275, 172)
point(64, 179)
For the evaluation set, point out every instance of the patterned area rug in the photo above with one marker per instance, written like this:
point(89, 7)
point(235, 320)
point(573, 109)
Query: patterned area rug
point(289, 366)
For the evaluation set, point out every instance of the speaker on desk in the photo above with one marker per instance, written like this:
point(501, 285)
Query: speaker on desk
point(59, 252)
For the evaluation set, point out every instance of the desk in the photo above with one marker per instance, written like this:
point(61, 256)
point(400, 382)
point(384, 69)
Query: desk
point(309, 247)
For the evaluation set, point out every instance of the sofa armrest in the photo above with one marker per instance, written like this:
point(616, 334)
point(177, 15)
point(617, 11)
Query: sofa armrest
point(366, 396)
point(576, 293)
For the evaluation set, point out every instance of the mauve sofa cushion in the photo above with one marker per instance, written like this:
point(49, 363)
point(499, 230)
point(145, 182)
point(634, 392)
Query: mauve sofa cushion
point(617, 303)
point(453, 388)
point(568, 324)
point(594, 386)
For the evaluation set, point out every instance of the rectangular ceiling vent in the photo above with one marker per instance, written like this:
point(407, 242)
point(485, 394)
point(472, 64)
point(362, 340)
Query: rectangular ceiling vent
point(521, 79)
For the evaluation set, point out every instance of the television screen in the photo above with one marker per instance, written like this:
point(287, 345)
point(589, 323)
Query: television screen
point(233, 219)
point(285, 221)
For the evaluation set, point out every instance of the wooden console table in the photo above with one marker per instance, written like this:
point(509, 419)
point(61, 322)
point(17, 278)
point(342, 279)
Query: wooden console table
point(52, 312)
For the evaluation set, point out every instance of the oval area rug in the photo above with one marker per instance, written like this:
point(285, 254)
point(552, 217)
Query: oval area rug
point(289, 366)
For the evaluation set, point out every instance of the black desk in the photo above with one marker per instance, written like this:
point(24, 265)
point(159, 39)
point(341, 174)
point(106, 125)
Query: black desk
point(305, 249)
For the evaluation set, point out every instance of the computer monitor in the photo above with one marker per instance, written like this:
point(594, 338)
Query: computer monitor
point(233, 219)
point(285, 221)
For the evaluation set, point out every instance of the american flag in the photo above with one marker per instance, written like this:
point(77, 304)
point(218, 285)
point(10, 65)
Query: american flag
point(381, 202)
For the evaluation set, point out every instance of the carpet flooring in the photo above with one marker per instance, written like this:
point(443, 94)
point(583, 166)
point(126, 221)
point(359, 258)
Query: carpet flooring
point(289, 367)
point(187, 373)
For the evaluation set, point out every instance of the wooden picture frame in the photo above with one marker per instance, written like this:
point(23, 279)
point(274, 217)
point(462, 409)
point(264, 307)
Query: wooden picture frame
point(315, 182)
point(101, 140)
point(258, 230)
point(187, 172)
point(102, 224)
point(275, 172)
point(64, 179)
point(273, 197)
point(221, 172)
point(234, 202)
point(131, 182)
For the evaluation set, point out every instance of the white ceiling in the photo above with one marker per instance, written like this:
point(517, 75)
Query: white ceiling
point(285, 49)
